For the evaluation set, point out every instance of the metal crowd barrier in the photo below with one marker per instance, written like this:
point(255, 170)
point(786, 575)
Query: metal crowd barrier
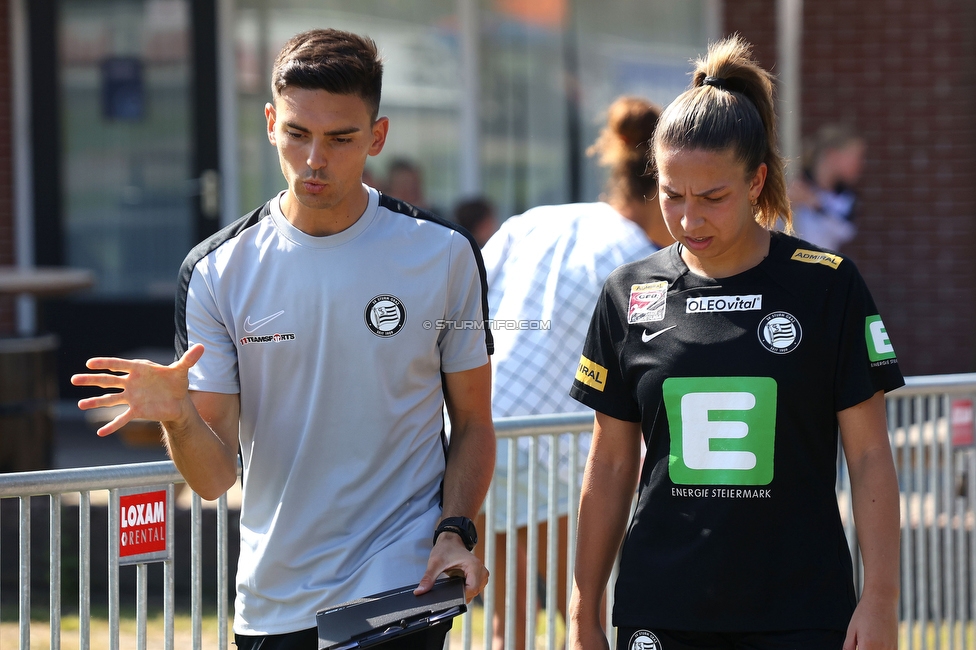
point(55, 484)
point(930, 425)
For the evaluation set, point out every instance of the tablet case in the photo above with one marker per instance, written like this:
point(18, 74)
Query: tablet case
point(368, 621)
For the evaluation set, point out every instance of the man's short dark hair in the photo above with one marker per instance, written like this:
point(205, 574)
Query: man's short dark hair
point(338, 62)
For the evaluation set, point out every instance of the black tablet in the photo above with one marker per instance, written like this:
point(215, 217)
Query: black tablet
point(368, 621)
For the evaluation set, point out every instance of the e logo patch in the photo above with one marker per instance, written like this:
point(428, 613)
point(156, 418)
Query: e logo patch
point(879, 347)
point(723, 429)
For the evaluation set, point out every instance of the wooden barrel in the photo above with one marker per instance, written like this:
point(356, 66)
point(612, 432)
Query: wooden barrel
point(28, 394)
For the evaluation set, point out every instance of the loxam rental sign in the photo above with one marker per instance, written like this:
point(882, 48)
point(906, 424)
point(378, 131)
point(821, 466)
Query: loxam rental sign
point(145, 528)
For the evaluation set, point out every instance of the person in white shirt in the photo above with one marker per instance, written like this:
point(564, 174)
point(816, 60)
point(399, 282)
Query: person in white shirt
point(547, 267)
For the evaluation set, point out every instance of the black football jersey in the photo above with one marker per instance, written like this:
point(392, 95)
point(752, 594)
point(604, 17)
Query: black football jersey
point(736, 383)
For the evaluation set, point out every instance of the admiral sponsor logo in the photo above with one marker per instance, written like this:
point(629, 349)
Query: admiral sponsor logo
point(591, 374)
point(647, 302)
point(645, 640)
point(385, 315)
point(817, 257)
point(723, 303)
point(267, 338)
point(780, 332)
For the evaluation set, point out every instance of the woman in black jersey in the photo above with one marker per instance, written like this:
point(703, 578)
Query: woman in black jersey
point(737, 353)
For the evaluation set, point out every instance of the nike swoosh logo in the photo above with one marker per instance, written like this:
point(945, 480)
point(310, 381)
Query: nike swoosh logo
point(250, 327)
point(645, 337)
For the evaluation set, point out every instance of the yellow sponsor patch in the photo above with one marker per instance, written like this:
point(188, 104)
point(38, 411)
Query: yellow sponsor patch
point(592, 374)
point(817, 257)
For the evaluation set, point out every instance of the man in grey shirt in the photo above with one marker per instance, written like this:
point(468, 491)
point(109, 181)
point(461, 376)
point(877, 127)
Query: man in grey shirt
point(311, 340)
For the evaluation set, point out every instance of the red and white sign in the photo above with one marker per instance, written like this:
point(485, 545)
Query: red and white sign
point(142, 524)
point(962, 423)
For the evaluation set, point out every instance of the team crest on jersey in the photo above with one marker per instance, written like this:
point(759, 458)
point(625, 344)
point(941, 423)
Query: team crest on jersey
point(780, 332)
point(645, 640)
point(385, 315)
point(647, 302)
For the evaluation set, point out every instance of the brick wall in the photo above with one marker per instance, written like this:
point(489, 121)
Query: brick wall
point(6, 176)
point(902, 72)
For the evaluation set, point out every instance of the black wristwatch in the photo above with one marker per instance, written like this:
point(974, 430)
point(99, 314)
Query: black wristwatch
point(462, 527)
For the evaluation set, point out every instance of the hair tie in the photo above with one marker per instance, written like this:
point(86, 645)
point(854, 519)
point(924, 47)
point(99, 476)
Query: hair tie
point(717, 82)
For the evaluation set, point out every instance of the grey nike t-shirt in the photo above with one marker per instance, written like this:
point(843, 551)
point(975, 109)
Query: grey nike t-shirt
point(336, 345)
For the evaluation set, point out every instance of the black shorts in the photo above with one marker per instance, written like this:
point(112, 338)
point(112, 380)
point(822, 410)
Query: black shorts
point(657, 639)
point(429, 639)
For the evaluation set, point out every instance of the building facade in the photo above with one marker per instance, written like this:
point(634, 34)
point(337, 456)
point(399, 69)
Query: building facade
point(144, 131)
point(903, 74)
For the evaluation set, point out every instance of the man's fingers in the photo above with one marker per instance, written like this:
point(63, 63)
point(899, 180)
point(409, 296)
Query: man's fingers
point(474, 582)
point(425, 584)
point(101, 380)
point(116, 424)
point(109, 399)
point(112, 364)
point(189, 358)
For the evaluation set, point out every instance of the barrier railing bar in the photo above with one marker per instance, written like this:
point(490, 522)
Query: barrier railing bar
point(927, 384)
point(971, 484)
point(948, 508)
point(897, 414)
point(142, 606)
point(921, 559)
point(82, 479)
point(934, 546)
point(113, 571)
point(196, 571)
point(511, 544)
point(488, 597)
point(169, 589)
point(84, 571)
point(552, 547)
point(532, 542)
point(25, 572)
point(54, 549)
point(222, 571)
point(571, 520)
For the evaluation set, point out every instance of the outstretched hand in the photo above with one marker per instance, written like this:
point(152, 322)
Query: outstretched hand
point(150, 390)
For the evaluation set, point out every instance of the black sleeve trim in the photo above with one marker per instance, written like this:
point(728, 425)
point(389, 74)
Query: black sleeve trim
point(396, 205)
point(200, 251)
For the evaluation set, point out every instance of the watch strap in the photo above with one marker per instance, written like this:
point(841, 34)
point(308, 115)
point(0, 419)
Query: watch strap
point(460, 526)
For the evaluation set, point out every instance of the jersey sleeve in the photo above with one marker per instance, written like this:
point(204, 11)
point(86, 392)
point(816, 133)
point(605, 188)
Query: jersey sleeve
point(216, 372)
point(866, 358)
point(465, 347)
point(599, 380)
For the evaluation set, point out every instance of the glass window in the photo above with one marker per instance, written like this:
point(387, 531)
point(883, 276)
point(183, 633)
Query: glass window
point(547, 71)
point(125, 111)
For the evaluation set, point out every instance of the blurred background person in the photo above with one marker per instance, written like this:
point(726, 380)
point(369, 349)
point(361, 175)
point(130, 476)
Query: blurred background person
point(405, 181)
point(477, 216)
point(548, 265)
point(822, 196)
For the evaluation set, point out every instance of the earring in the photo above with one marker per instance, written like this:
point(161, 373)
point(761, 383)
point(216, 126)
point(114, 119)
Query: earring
point(755, 202)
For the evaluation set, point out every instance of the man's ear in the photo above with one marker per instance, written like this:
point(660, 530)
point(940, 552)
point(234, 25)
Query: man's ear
point(271, 117)
point(381, 127)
